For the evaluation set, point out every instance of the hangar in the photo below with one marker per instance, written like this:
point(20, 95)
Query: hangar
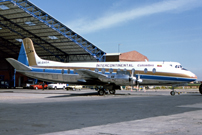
point(52, 39)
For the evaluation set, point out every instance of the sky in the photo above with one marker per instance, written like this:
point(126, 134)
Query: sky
point(162, 30)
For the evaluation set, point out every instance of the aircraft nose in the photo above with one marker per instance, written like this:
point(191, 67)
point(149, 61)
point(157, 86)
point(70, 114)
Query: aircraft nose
point(194, 76)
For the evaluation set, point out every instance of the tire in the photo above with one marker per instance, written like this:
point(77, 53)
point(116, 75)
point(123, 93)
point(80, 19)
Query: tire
point(101, 92)
point(63, 87)
point(200, 89)
point(55, 87)
point(36, 88)
point(172, 93)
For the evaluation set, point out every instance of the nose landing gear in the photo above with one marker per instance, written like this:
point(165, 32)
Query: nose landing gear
point(172, 93)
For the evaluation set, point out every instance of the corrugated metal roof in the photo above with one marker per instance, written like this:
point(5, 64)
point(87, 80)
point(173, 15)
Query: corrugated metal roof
point(53, 40)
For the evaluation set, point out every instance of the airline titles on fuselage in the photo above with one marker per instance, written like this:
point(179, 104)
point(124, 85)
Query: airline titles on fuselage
point(124, 65)
point(145, 65)
point(114, 65)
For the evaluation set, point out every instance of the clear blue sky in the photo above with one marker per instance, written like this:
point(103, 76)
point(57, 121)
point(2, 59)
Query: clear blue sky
point(162, 30)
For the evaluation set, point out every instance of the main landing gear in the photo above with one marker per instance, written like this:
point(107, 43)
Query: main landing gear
point(102, 91)
point(200, 89)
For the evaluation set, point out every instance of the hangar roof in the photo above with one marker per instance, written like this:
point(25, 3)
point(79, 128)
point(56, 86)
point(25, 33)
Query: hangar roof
point(53, 40)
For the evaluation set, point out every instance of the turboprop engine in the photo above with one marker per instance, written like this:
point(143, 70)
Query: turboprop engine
point(119, 79)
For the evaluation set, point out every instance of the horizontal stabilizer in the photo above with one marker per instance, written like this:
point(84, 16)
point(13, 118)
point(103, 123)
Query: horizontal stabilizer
point(18, 65)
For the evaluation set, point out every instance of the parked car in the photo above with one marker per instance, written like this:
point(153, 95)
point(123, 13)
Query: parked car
point(38, 86)
point(4, 84)
point(57, 86)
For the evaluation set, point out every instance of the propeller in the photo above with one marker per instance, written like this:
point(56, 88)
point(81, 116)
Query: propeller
point(132, 79)
point(138, 81)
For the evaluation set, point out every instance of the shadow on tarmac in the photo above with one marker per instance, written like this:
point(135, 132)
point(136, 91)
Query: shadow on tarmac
point(75, 95)
point(87, 94)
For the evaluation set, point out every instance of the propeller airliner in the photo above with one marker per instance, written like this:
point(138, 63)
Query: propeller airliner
point(105, 75)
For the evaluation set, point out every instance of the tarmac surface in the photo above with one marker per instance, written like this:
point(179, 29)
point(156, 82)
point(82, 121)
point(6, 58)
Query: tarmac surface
point(61, 112)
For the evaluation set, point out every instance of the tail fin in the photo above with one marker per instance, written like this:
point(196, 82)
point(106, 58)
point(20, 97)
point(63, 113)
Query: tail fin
point(28, 54)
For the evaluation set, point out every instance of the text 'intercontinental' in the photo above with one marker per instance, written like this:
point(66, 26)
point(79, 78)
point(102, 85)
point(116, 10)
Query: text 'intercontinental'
point(114, 65)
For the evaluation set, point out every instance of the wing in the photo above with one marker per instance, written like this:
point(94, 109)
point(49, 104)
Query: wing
point(88, 74)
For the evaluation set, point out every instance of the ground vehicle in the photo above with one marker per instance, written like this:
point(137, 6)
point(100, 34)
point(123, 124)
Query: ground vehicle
point(79, 87)
point(57, 86)
point(38, 86)
point(4, 84)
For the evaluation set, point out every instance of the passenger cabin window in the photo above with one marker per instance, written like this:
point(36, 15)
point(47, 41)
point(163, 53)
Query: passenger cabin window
point(145, 70)
point(96, 70)
point(118, 71)
point(125, 71)
point(62, 71)
point(103, 71)
point(154, 70)
point(110, 70)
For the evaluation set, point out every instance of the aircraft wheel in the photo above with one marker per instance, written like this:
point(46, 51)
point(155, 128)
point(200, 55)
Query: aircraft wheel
point(55, 88)
point(63, 87)
point(112, 91)
point(36, 88)
point(200, 89)
point(101, 92)
point(172, 93)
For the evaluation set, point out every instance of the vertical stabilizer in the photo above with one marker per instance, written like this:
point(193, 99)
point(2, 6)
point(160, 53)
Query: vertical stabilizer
point(22, 56)
point(32, 57)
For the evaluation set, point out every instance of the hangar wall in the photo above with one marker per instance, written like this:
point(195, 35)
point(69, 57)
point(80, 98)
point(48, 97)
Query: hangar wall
point(6, 73)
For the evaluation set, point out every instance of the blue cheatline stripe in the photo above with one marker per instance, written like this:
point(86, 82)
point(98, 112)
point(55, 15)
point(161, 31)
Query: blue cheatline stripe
point(51, 70)
point(22, 56)
point(166, 78)
point(144, 77)
point(41, 70)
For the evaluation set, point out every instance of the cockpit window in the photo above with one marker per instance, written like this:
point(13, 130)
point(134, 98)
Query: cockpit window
point(180, 66)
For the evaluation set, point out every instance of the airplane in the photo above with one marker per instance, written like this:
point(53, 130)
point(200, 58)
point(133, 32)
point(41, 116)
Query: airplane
point(105, 75)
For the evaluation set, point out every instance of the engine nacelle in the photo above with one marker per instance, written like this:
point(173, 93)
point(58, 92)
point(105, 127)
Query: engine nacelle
point(119, 79)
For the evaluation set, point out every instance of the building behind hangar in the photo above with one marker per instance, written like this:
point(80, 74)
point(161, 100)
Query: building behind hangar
point(132, 56)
